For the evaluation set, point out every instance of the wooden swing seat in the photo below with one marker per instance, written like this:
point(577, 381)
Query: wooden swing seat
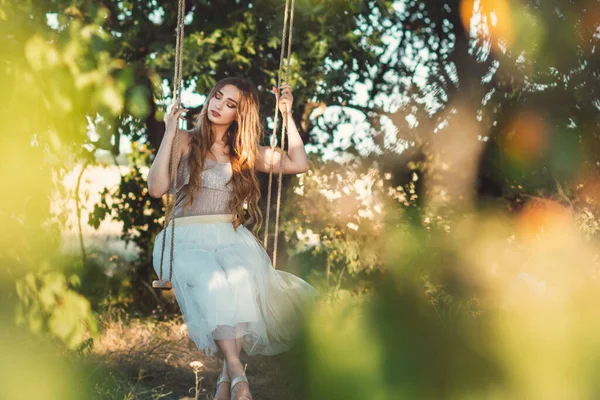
point(162, 284)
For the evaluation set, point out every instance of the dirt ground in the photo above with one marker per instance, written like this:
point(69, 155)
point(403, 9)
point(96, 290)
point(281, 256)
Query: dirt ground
point(148, 359)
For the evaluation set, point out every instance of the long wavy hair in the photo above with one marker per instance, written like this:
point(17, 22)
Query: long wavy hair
point(242, 137)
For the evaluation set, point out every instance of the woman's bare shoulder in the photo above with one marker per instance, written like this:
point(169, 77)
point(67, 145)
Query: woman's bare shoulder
point(185, 140)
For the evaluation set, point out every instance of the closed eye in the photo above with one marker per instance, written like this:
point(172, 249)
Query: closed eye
point(218, 96)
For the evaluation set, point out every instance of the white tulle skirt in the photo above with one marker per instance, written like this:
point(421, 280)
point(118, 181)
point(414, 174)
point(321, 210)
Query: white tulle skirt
point(227, 288)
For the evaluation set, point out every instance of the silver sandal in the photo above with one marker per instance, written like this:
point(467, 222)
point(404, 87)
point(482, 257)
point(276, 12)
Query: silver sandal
point(236, 380)
point(222, 378)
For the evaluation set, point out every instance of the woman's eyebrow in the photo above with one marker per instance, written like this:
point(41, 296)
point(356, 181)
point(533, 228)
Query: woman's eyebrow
point(221, 93)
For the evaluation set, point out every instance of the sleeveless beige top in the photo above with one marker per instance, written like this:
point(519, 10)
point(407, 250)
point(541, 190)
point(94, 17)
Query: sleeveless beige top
point(214, 195)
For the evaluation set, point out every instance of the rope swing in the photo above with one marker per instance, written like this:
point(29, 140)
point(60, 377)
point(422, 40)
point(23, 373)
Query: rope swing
point(286, 35)
point(169, 220)
point(286, 41)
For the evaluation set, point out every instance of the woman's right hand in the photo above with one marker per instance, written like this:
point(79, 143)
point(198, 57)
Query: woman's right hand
point(173, 116)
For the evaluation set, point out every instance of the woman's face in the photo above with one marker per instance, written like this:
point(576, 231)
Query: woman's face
point(222, 107)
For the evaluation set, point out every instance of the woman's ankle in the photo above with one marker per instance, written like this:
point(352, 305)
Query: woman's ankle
point(224, 371)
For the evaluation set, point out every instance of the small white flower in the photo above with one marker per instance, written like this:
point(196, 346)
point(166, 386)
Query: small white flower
point(196, 365)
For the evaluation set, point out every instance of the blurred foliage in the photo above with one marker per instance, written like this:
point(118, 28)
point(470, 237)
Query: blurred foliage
point(53, 81)
point(32, 367)
point(507, 313)
point(47, 305)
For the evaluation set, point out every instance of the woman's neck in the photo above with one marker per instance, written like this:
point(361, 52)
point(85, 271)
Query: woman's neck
point(220, 133)
point(220, 147)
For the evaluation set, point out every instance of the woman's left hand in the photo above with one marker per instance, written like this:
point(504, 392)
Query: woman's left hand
point(285, 98)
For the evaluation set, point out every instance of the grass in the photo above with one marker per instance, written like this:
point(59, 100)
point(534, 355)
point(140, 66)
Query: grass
point(150, 359)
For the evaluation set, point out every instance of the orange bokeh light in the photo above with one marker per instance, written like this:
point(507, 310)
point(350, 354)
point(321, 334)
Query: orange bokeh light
point(525, 138)
point(543, 216)
point(496, 14)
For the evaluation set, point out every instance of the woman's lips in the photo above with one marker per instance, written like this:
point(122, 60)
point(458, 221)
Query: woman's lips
point(215, 114)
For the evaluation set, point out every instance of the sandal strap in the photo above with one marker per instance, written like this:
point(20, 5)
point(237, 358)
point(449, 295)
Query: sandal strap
point(238, 379)
point(223, 378)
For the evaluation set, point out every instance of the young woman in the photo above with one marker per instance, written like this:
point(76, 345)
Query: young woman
point(230, 296)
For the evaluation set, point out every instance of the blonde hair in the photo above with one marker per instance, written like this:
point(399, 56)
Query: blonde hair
point(242, 136)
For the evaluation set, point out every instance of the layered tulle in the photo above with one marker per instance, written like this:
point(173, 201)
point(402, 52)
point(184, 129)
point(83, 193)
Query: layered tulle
point(227, 288)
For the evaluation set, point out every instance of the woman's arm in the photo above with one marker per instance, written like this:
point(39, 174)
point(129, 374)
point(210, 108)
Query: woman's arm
point(159, 177)
point(295, 161)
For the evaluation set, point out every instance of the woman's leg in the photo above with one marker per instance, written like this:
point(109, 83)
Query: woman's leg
point(235, 368)
point(224, 371)
point(224, 389)
point(239, 342)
